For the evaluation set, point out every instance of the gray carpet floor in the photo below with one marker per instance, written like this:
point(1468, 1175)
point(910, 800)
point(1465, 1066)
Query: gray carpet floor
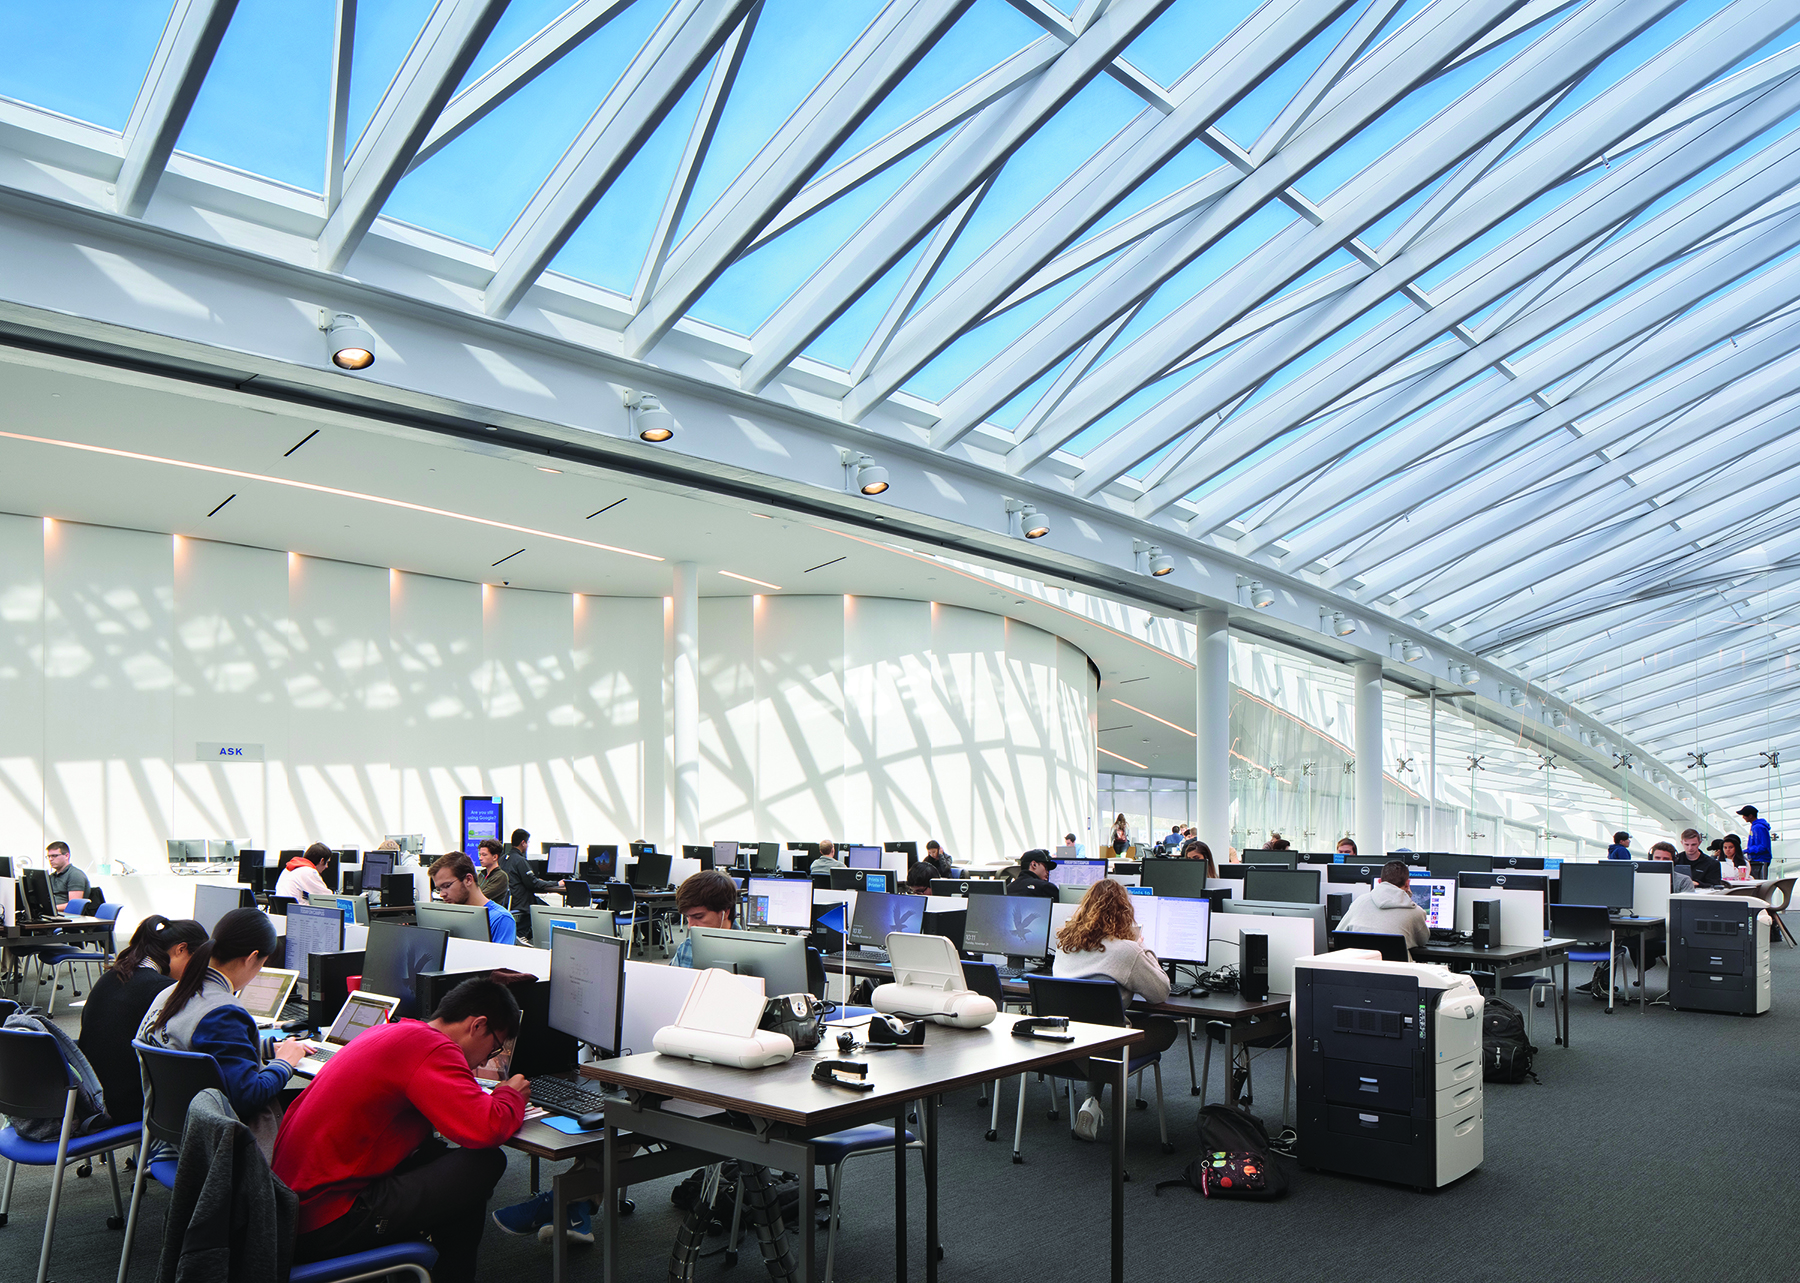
point(1661, 1145)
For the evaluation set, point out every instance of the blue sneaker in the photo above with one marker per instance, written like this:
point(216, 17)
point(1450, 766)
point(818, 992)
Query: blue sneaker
point(581, 1224)
point(525, 1218)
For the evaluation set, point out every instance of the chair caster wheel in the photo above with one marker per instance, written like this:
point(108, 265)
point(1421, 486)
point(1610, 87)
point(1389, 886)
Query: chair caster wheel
point(86, 1169)
point(1019, 1159)
point(2, 1220)
point(1193, 1091)
point(1143, 1104)
point(991, 1134)
point(130, 1162)
point(1052, 1115)
point(731, 1256)
point(115, 1222)
point(940, 1251)
point(626, 1207)
point(1168, 1147)
point(981, 1102)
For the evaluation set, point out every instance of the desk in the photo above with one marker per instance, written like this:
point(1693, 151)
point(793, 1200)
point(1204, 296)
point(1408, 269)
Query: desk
point(1644, 929)
point(777, 1112)
point(74, 932)
point(1507, 960)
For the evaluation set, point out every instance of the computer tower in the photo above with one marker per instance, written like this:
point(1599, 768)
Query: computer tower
point(325, 984)
point(1253, 965)
point(1718, 954)
point(1484, 931)
point(1387, 1070)
point(431, 986)
point(397, 889)
point(1337, 904)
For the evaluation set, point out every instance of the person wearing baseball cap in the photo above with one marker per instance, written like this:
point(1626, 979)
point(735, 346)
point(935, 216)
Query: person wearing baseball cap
point(1034, 874)
point(1756, 845)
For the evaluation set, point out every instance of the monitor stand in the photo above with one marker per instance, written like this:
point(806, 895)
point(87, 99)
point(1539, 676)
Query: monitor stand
point(1016, 961)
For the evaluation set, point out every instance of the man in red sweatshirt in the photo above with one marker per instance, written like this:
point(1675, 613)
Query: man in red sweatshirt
point(358, 1148)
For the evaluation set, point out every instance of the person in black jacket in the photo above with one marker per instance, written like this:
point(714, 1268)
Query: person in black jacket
point(1034, 874)
point(522, 884)
point(116, 1004)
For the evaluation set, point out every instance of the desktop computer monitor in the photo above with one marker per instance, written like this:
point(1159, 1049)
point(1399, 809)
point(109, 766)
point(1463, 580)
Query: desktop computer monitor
point(602, 863)
point(6, 869)
point(1080, 873)
point(986, 886)
point(1282, 886)
point(859, 880)
point(877, 915)
point(1303, 858)
point(463, 921)
point(1518, 862)
point(250, 869)
point(1508, 881)
point(701, 855)
point(1611, 883)
point(213, 901)
point(587, 988)
point(1234, 872)
point(779, 902)
point(1343, 873)
point(312, 929)
point(909, 849)
point(1272, 859)
point(1175, 930)
point(1445, 865)
point(34, 885)
point(767, 858)
point(1183, 879)
point(724, 855)
point(1437, 896)
point(862, 857)
point(1015, 925)
point(650, 871)
point(559, 860)
point(779, 960)
point(395, 956)
point(376, 865)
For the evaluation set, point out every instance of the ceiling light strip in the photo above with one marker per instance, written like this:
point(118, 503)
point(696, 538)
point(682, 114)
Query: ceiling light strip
point(215, 470)
point(1122, 758)
point(746, 578)
point(1153, 717)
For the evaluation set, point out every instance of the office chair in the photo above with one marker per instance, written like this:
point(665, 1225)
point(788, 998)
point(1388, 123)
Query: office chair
point(1780, 896)
point(1093, 1002)
point(622, 901)
point(1590, 924)
point(36, 1082)
point(171, 1081)
point(87, 957)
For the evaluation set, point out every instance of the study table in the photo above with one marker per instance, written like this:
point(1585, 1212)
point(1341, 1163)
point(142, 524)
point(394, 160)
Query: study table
point(774, 1114)
point(1508, 960)
point(74, 932)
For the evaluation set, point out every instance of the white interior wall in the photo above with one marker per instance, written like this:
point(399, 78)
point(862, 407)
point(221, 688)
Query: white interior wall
point(379, 697)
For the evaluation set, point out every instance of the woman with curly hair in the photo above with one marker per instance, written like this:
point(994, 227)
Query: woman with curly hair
point(1101, 941)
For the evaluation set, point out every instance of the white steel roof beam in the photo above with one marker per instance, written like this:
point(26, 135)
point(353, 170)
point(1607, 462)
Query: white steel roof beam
point(434, 66)
point(183, 55)
point(674, 56)
point(1666, 664)
point(966, 160)
point(879, 59)
point(916, 280)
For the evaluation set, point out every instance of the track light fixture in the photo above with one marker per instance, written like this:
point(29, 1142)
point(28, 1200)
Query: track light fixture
point(648, 417)
point(862, 473)
point(1024, 521)
point(1261, 596)
point(1411, 652)
point(1336, 622)
point(1467, 675)
point(1150, 559)
point(347, 341)
point(1515, 697)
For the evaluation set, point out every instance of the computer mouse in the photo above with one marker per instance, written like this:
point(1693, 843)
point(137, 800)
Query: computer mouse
point(588, 1122)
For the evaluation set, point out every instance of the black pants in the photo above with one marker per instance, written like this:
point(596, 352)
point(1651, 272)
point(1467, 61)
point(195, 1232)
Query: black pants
point(437, 1193)
point(1759, 868)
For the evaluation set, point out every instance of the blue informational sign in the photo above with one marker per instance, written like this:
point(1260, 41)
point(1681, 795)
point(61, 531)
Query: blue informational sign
point(481, 818)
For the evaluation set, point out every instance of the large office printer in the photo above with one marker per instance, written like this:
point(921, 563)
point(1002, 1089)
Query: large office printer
point(1387, 1058)
point(1718, 954)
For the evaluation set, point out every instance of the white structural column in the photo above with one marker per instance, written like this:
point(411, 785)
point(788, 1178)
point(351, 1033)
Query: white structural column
point(685, 779)
point(1369, 843)
point(1212, 730)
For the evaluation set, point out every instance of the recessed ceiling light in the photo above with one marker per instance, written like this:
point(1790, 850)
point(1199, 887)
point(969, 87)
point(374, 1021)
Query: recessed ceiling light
point(746, 578)
point(554, 471)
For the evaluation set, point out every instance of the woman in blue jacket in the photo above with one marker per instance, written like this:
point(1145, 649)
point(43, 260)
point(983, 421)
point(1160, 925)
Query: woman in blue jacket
point(200, 1012)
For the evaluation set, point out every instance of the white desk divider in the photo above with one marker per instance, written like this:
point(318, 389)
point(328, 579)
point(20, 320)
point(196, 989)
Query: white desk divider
point(1521, 914)
point(653, 997)
point(474, 955)
point(1289, 939)
point(1650, 895)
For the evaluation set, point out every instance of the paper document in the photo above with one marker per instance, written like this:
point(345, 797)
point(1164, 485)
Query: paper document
point(721, 1003)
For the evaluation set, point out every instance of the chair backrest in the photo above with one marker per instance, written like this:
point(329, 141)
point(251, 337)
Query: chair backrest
point(815, 973)
point(34, 1078)
point(984, 979)
point(576, 894)
point(1580, 921)
point(620, 898)
point(108, 911)
point(171, 1081)
point(7, 1007)
point(1780, 894)
point(77, 908)
point(1093, 1002)
point(1391, 947)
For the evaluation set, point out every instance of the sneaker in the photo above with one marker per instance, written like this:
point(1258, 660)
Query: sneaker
point(581, 1224)
point(1087, 1120)
point(525, 1218)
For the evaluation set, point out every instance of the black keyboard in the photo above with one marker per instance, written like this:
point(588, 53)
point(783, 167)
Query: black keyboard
point(566, 1096)
point(871, 955)
point(292, 1011)
point(1013, 973)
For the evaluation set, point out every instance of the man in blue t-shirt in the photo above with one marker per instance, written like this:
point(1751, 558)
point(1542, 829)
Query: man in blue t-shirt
point(453, 877)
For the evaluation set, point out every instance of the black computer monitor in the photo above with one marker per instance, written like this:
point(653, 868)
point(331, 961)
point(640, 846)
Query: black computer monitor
point(767, 857)
point(986, 886)
point(950, 886)
point(779, 902)
point(877, 915)
point(560, 860)
point(1082, 873)
point(1392, 948)
point(651, 871)
point(376, 866)
point(1235, 872)
point(878, 880)
point(213, 901)
point(1344, 873)
point(909, 849)
point(250, 869)
point(1282, 886)
point(1664, 867)
point(462, 921)
point(638, 848)
point(1518, 862)
point(6, 869)
point(34, 885)
point(1504, 881)
point(1611, 883)
point(1272, 859)
point(395, 956)
point(602, 863)
point(1184, 879)
point(779, 960)
point(1445, 865)
point(587, 987)
point(312, 929)
point(862, 857)
point(1314, 857)
point(1015, 925)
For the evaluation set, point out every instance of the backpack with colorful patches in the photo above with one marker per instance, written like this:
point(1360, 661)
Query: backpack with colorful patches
point(1235, 1159)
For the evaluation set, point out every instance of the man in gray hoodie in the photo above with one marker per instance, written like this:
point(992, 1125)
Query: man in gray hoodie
point(1389, 908)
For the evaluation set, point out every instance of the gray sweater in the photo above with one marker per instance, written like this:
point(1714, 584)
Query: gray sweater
point(1125, 962)
point(1389, 910)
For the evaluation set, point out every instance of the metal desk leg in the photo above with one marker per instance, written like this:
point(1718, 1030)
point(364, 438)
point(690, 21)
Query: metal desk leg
point(559, 1231)
point(900, 1195)
point(808, 1270)
point(534, 1173)
point(1193, 1078)
point(1567, 1031)
point(1118, 1169)
point(1643, 956)
point(933, 1249)
point(609, 1206)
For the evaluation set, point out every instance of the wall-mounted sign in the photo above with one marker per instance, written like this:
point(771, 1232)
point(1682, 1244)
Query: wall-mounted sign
point(214, 752)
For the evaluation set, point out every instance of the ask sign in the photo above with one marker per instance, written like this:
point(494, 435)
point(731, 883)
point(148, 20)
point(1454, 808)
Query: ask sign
point(215, 752)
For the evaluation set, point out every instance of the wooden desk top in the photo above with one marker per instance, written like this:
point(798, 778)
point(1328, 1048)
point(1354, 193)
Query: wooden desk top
point(951, 1058)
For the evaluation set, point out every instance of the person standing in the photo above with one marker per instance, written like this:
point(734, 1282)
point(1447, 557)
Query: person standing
point(522, 884)
point(1121, 835)
point(453, 877)
point(1621, 846)
point(68, 882)
point(1757, 845)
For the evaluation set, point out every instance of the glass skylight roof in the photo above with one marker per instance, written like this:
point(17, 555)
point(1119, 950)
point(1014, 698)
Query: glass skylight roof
point(1437, 299)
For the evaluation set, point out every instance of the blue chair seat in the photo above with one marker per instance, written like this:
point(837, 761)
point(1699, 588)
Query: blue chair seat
point(162, 1171)
point(828, 1151)
point(1590, 955)
point(381, 1258)
point(854, 1013)
point(42, 1153)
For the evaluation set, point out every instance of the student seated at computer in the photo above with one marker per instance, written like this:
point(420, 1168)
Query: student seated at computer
point(1731, 851)
point(66, 881)
point(453, 877)
point(1702, 867)
point(1679, 882)
point(1101, 939)
point(358, 1149)
point(935, 857)
point(708, 898)
point(1389, 908)
point(200, 1012)
point(1034, 874)
point(304, 874)
point(918, 878)
point(1346, 846)
point(116, 1003)
point(1195, 849)
point(827, 860)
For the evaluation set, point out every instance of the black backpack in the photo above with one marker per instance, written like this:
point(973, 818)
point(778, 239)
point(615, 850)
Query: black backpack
point(1506, 1052)
point(1236, 1159)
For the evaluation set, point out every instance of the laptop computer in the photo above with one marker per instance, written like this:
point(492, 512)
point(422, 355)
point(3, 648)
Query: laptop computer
point(361, 1011)
point(267, 994)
